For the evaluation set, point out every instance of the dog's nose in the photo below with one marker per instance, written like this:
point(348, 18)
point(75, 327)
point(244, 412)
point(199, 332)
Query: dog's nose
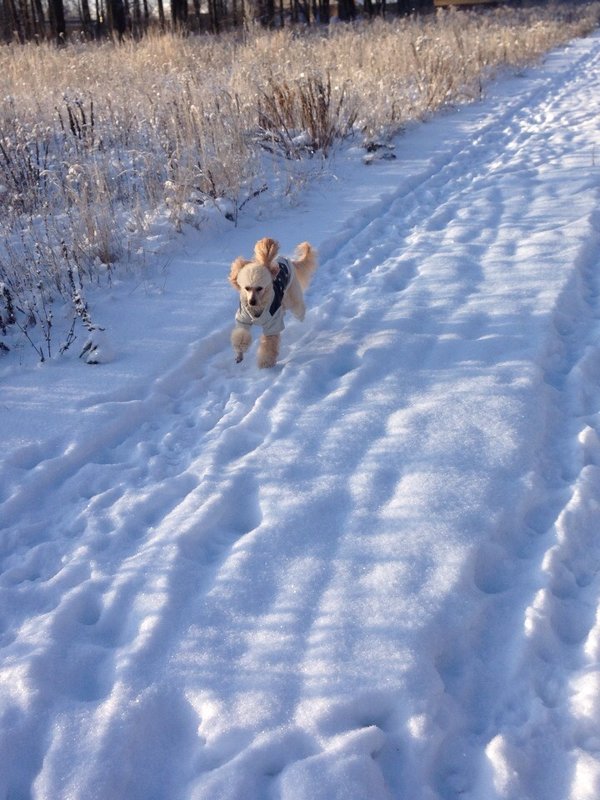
point(252, 301)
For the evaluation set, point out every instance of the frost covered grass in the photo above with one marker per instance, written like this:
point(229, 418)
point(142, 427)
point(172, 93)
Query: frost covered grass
point(99, 142)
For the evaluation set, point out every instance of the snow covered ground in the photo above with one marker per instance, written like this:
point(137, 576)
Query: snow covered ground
point(370, 573)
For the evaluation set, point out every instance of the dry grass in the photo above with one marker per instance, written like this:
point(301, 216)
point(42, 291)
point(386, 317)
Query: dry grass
point(95, 138)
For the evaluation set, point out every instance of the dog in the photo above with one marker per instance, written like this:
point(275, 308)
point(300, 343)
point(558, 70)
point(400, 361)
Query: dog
point(268, 285)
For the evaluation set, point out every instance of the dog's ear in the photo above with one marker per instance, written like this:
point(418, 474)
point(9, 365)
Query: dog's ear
point(265, 251)
point(302, 251)
point(236, 266)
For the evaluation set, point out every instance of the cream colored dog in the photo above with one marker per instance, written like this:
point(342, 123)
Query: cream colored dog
point(268, 285)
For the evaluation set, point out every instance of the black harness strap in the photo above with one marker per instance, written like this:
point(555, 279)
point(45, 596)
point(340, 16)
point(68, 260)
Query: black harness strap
point(280, 284)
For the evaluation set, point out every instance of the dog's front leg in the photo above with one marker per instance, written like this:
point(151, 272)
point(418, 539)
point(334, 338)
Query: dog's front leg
point(240, 341)
point(268, 350)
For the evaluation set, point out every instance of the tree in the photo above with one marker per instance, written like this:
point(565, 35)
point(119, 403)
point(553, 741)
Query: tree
point(116, 17)
point(56, 15)
point(324, 12)
point(161, 15)
point(86, 18)
point(266, 12)
point(179, 13)
point(347, 10)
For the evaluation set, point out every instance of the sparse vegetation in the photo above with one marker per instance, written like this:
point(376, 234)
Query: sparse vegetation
point(96, 140)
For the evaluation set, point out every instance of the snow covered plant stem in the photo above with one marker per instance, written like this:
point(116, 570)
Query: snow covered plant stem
point(40, 285)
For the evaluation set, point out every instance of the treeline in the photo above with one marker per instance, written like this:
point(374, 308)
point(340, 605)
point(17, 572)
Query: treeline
point(31, 20)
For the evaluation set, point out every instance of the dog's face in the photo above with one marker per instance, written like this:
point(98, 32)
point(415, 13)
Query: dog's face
point(255, 285)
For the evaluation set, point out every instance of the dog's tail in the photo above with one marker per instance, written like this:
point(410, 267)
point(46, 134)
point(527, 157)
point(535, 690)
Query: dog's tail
point(265, 251)
point(305, 262)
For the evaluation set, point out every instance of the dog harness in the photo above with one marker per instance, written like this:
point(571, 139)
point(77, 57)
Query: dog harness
point(271, 319)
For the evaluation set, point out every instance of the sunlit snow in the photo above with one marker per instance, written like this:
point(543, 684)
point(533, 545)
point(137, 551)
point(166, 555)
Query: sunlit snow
point(370, 573)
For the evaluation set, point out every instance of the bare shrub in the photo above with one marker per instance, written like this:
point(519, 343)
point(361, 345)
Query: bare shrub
point(307, 115)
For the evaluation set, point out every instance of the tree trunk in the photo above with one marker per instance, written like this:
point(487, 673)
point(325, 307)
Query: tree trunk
point(38, 18)
point(346, 10)
point(267, 13)
point(213, 16)
point(179, 13)
point(117, 21)
point(7, 20)
point(86, 18)
point(56, 14)
point(161, 15)
point(197, 15)
point(137, 27)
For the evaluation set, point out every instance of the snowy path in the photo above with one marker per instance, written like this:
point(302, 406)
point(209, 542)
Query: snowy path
point(372, 572)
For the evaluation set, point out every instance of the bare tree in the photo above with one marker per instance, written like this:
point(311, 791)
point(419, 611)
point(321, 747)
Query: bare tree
point(86, 18)
point(116, 17)
point(347, 10)
point(56, 16)
point(265, 12)
point(161, 15)
point(179, 13)
point(38, 18)
point(324, 12)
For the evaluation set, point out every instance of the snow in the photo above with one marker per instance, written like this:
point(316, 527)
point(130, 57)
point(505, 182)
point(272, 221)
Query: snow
point(369, 573)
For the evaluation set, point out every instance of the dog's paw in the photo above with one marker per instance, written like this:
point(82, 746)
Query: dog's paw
point(266, 362)
point(239, 357)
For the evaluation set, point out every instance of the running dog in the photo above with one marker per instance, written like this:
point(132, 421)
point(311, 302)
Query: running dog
point(269, 284)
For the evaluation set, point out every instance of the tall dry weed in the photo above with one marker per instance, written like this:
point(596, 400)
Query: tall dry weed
point(96, 138)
